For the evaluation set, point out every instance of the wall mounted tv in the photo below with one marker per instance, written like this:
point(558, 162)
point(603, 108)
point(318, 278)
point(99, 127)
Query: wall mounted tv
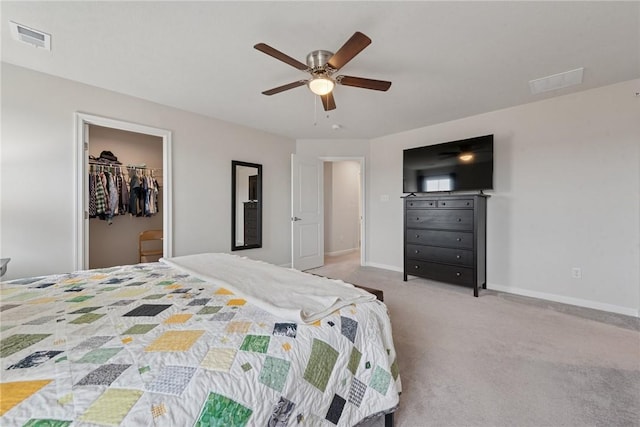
point(464, 165)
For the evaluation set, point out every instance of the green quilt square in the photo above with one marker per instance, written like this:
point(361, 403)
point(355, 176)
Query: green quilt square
point(274, 373)
point(255, 343)
point(354, 360)
point(80, 298)
point(99, 355)
point(85, 310)
point(143, 328)
point(165, 283)
point(395, 370)
point(321, 362)
point(154, 296)
point(209, 309)
point(380, 380)
point(15, 343)
point(87, 318)
point(41, 422)
point(220, 411)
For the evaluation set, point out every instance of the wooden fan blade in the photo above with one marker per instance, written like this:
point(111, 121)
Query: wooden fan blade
point(264, 48)
point(351, 48)
point(363, 83)
point(328, 102)
point(284, 87)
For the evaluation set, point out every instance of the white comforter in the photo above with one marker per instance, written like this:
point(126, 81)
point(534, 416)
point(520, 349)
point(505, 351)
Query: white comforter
point(285, 293)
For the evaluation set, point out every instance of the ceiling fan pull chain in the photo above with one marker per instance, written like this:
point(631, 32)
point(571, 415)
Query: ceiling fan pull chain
point(315, 111)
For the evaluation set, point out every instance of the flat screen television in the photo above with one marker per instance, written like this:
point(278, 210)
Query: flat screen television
point(464, 165)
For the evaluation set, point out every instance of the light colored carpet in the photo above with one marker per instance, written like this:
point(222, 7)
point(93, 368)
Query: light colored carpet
point(500, 359)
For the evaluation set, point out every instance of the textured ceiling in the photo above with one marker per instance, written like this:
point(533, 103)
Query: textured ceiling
point(447, 60)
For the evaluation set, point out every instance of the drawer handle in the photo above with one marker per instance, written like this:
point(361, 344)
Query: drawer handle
point(459, 219)
point(459, 239)
point(417, 218)
point(417, 267)
point(443, 203)
point(417, 236)
point(458, 274)
point(417, 251)
point(457, 256)
point(468, 203)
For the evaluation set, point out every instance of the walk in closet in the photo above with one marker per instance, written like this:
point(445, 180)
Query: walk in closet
point(124, 193)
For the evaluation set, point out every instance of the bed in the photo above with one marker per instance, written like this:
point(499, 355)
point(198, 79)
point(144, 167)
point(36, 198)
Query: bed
point(208, 339)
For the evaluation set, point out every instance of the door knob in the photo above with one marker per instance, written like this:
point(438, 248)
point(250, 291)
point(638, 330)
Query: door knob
point(295, 218)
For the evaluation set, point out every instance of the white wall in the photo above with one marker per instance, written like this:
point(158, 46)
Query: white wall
point(341, 206)
point(567, 194)
point(37, 175)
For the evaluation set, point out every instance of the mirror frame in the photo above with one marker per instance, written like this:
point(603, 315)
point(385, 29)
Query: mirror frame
point(234, 198)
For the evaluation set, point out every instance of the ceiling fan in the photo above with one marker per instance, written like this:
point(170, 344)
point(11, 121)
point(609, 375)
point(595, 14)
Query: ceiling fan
point(322, 64)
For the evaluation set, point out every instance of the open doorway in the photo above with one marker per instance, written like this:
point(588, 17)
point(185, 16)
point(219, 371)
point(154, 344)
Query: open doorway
point(342, 211)
point(161, 140)
point(131, 164)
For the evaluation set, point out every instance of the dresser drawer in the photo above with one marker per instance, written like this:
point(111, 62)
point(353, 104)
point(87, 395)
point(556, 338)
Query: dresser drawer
point(445, 255)
point(417, 204)
point(440, 272)
point(444, 219)
point(457, 203)
point(451, 239)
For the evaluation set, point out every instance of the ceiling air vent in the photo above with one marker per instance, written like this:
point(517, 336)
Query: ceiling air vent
point(30, 36)
point(556, 81)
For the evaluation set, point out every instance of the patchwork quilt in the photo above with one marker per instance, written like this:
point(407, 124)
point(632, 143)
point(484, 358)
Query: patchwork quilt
point(150, 344)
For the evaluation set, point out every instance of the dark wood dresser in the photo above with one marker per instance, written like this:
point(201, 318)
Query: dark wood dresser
point(445, 239)
point(250, 223)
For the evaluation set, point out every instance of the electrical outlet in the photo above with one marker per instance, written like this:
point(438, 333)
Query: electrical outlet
point(576, 273)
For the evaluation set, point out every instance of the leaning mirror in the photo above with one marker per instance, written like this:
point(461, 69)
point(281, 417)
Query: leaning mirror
point(246, 205)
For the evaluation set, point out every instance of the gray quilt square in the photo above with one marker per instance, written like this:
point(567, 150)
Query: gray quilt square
point(172, 380)
point(104, 375)
point(92, 343)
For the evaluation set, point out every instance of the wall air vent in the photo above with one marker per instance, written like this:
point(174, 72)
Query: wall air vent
point(556, 81)
point(30, 36)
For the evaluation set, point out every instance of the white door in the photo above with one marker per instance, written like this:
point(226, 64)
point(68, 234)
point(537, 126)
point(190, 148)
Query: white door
point(307, 209)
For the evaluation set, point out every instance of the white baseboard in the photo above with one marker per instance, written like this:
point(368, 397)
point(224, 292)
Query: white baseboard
point(566, 300)
point(342, 252)
point(383, 266)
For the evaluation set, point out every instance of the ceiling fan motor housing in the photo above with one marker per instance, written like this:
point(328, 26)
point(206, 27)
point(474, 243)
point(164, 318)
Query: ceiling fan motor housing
point(318, 59)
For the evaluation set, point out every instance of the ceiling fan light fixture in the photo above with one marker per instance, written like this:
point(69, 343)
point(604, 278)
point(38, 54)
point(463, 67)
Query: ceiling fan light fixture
point(321, 85)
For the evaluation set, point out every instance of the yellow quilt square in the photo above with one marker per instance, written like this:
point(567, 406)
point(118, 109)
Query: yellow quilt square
point(223, 291)
point(174, 286)
point(130, 293)
point(13, 393)
point(111, 407)
point(158, 410)
point(238, 301)
point(179, 318)
point(43, 300)
point(238, 327)
point(174, 341)
point(219, 359)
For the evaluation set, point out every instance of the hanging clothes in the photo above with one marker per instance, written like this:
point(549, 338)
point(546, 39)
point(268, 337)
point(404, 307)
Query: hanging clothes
point(111, 193)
